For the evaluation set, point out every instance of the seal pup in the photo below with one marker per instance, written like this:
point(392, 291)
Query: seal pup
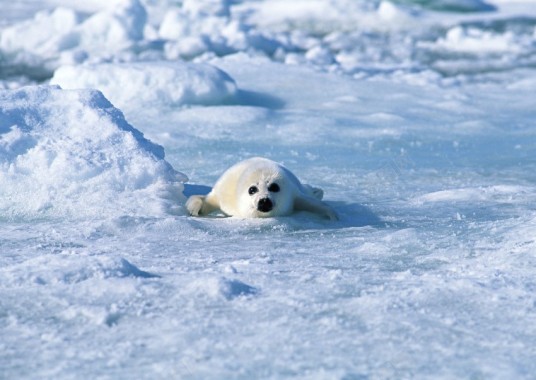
point(259, 188)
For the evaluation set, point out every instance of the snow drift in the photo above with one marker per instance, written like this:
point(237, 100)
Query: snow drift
point(67, 36)
point(72, 153)
point(153, 84)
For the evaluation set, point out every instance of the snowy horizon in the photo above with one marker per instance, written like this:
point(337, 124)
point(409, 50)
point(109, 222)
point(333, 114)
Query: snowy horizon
point(416, 118)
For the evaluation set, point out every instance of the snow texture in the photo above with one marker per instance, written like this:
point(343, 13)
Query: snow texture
point(155, 84)
point(415, 117)
point(61, 151)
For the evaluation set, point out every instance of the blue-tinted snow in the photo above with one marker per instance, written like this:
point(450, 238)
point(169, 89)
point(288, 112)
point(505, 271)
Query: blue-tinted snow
point(415, 117)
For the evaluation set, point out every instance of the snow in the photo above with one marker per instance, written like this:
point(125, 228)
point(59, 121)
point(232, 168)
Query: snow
point(63, 35)
point(415, 118)
point(63, 150)
point(167, 84)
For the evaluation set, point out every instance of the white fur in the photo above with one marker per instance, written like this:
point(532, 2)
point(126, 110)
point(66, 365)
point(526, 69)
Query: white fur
point(231, 195)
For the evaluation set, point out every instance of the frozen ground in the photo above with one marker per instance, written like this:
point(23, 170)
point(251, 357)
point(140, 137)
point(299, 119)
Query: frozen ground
point(416, 118)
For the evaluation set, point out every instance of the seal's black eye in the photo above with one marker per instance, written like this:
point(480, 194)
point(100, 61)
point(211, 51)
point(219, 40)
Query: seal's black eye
point(274, 188)
point(252, 190)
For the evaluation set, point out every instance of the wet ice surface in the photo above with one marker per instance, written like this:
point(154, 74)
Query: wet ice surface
point(418, 123)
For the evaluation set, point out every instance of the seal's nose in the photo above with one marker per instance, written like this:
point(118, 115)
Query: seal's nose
point(265, 205)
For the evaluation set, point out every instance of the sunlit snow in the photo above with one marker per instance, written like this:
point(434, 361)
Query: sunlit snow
point(416, 118)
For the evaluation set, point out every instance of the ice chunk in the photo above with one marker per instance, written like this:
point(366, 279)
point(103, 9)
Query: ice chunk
point(64, 35)
point(66, 268)
point(497, 193)
point(220, 287)
point(45, 32)
point(207, 7)
point(206, 27)
point(473, 40)
point(118, 27)
point(68, 153)
point(153, 84)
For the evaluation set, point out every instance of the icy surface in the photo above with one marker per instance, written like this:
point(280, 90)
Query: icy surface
point(415, 117)
point(71, 153)
point(153, 84)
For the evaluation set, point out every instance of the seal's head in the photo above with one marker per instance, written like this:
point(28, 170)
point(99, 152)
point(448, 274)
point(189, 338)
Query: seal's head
point(265, 192)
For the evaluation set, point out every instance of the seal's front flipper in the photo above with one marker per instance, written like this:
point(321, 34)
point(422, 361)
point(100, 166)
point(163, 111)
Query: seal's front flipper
point(194, 204)
point(198, 205)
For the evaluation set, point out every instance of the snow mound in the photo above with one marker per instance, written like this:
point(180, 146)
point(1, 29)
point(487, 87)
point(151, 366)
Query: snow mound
point(66, 36)
point(71, 153)
point(68, 269)
point(221, 287)
point(478, 41)
point(206, 27)
point(503, 193)
point(153, 84)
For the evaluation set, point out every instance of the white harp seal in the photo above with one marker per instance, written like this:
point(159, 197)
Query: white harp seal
point(259, 188)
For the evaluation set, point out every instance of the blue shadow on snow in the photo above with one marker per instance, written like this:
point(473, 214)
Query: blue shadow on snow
point(258, 99)
point(190, 190)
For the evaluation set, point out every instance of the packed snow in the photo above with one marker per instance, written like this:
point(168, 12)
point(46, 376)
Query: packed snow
point(64, 150)
point(171, 84)
point(416, 118)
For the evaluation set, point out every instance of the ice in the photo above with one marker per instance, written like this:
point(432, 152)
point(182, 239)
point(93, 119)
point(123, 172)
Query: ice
point(359, 38)
point(120, 26)
point(167, 84)
point(205, 28)
point(64, 35)
point(69, 269)
point(207, 7)
point(416, 118)
point(458, 5)
point(220, 288)
point(61, 151)
point(474, 40)
point(503, 193)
